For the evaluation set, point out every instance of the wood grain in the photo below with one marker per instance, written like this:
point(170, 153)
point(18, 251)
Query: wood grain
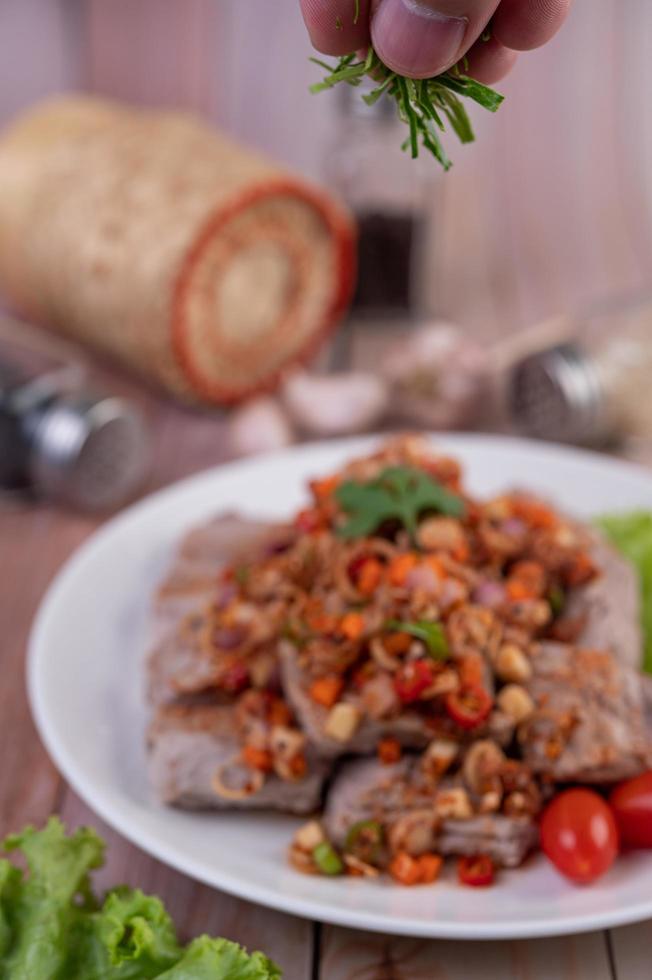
point(348, 955)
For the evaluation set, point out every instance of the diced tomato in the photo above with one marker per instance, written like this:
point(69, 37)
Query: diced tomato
point(369, 576)
point(310, 520)
point(429, 867)
point(397, 644)
point(352, 626)
point(326, 690)
point(400, 567)
point(259, 759)
point(518, 591)
point(408, 870)
point(405, 869)
point(389, 750)
point(279, 713)
point(579, 834)
point(580, 571)
point(632, 806)
point(298, 766)
point(469, 706)
point(471, 670)
point(319, 621)
point(478, 871)
point(322, 489)
point(412, 679)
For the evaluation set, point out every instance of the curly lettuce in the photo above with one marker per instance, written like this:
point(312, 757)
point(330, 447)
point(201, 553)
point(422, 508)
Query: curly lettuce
point(53, 926)
point(631, 534)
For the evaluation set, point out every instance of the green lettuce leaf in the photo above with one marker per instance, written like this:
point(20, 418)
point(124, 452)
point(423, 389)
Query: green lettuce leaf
point(52, 927)
point(219, 959)
point(130, 938)
point(50, 898)
point(631, 534)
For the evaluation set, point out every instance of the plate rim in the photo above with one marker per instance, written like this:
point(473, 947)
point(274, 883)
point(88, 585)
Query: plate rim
point(110, 812)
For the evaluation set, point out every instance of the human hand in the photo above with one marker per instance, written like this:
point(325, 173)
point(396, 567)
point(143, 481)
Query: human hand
point(421, 38)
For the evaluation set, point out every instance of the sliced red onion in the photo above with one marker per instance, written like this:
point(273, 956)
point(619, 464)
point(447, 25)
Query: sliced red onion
point(226, 593)
point(423, 578)
point(490, 594)
point(514, 527)
point(228, 638)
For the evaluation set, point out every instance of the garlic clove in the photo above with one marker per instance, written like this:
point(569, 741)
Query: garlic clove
point(438, 376)
point(335, 404)
point(259, 426)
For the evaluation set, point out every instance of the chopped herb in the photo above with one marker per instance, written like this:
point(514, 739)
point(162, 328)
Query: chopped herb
point(399, 493)
point(423, 104)
point(327, 859)
point(356, 11)
point(557, 600)
point(338, 23)
point(241, 575)
point(432, 634)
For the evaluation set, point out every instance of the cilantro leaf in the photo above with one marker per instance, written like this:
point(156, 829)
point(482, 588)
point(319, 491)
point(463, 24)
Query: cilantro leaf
point(432, 634)
point(400, 493)
point(423, 104)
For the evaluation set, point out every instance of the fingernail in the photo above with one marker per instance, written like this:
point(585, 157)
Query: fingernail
point(414, 38)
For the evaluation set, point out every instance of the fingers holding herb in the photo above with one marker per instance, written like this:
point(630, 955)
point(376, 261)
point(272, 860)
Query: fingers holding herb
point(337, 27)
point(489, 61)
point(526, 24)
point(425, 105)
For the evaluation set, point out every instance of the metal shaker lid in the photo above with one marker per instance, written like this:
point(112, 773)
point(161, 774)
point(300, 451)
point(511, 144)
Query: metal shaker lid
point(556, 394)
point(89, 452)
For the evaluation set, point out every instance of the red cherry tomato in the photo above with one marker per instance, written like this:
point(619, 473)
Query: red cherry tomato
point(469, 706)
point(478, 871)
point(579, 835)
point(412, 679)
point(632, 806)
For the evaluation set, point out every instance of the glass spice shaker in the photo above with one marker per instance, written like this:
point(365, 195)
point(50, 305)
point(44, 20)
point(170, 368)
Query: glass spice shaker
point(593, 387)
point(58, 439)
point(391, 198)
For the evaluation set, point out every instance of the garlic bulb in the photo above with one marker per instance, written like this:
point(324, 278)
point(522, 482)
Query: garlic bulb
point(259, 426)
point(438, 377)
point(335, 404)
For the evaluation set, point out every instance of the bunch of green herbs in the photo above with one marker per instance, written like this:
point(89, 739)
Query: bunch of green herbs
point(425, 104)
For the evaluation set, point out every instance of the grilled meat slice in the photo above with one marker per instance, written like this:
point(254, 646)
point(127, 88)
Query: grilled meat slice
point(409, 727)
point(177, 665)
point(606, 611)
point(364, 789)
point(194, 762)
point(588, 724)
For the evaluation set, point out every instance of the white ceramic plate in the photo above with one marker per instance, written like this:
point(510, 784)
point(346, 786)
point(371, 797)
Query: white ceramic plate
point(85, 689)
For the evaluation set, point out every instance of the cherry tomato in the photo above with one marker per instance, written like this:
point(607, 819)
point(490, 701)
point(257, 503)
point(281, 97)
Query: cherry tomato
point(469, 706)
point(632, 806)
point(579, 835)
point(478, 871)
point(412, 679)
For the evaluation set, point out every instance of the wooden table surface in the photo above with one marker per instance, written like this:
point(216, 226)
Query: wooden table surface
point(34, 541)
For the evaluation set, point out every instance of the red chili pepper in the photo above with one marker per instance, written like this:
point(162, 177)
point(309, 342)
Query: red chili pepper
point(469, 706)
point(478, 871)
point(412, 679)
point(310, 520)
point(235, 678)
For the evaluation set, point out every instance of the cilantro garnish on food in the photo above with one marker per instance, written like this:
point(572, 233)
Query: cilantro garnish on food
point(432, 634)
point(53, 927)
point(399, 493)
point(424, 104)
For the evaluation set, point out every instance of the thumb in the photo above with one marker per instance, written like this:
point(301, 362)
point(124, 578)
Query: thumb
point(425, 37)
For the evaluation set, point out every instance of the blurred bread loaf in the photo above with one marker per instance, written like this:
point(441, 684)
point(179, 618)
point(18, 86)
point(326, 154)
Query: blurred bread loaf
point(154, 239)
